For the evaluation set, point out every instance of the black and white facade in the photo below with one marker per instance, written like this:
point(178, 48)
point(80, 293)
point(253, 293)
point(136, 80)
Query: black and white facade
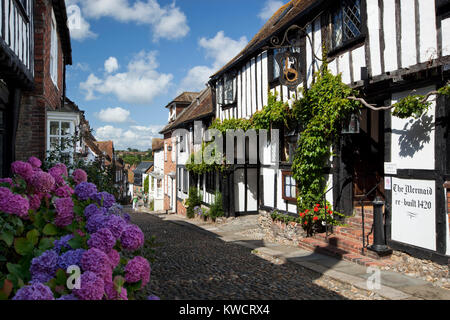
point(387, 49)
point(16, 71)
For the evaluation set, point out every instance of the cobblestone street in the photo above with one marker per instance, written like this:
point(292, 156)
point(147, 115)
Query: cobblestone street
point(192, 263)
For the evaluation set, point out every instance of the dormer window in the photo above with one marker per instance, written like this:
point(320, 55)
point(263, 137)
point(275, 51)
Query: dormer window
point(346, 22)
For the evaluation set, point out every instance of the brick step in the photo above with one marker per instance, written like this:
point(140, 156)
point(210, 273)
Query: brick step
point(353, 233)
point(347, 244)
point(312, 244)
point(358, 225)
point(358, 220)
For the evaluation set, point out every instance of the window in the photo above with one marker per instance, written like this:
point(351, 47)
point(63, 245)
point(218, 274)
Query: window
point(180, 177)
point(289, 187)
point(54, 52)
point(182, 144)
point(60, 133)
point(346, 22)
point(185, 181)
point(226, 90)
point(211, 182)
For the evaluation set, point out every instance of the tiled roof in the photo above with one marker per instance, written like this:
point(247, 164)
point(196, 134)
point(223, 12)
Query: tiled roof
point(280, 19)
point(186, 97)
point(201, 107)
point(107, 147)
point(143, 167)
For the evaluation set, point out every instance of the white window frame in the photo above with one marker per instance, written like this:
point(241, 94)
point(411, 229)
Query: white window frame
point(60, 117)
point(54, 51)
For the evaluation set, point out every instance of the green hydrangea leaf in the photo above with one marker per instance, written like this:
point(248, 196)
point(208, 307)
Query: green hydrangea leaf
point(23, 246)
point(50, 230)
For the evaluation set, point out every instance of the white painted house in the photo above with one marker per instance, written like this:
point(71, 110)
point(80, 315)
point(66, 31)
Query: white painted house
point(157, 176)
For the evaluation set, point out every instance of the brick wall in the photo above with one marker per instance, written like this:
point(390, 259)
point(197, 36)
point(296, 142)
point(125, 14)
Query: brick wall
point(31, 132)
point(169, 166)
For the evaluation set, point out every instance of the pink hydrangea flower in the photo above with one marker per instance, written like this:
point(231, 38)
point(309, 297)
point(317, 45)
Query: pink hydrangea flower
point(17, 205)
point(64, 192)
point(132, 238)
point(114, 258)
point(5, 194)
point(102, 240)
point(92, 287)
point(57, 174)
point(97, 261)
point(138, 269)
point(112, 293)
point(7, 181)
point(43, 182)
point(64, 212)
point(35, 201)
point(63, 169)
point(23, 169)
point(79, 176)
point(35, 162)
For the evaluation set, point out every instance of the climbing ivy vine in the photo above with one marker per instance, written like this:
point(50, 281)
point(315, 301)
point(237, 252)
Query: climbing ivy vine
point(321, 113)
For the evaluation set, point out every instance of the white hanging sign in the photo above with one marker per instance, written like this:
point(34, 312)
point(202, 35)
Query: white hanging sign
point(390, 168)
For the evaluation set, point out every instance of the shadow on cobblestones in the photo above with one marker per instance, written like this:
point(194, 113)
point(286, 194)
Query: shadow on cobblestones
point(192, 263)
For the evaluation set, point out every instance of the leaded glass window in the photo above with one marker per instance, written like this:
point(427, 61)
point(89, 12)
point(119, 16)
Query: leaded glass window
point(219, 93)
point(346, 22)
point(229, 89)
point(289, 186)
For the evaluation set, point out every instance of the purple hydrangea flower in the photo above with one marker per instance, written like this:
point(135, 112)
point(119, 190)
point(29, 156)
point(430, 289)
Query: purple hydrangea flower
point(71, 258)
point(35, 162)
point(15, 204)
point(92, 287)
point(43, 182)
point(85, 190)
point(23, 169)
point(43, 268)
point(103, 240)
point(96, 222)
point(112, 293)
point(36, 291)
point(62, 243)
point(79, 176)
point(93, 209)
point(97, 261)
point(116, 209)
point(68, 297)
point(138, 269)
point(64, 212)
point(104, 199)
point(64, 191)
point(153, 298)
point(126, 217)
point(116, 225)
point(114, 258)
point(132, 238)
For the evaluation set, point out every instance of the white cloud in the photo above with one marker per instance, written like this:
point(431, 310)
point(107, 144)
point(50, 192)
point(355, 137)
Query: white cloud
point(138, 137)
point(270, 7)
point(79, 28)
point(140, 84)
point(111, 65)
point(167, 22)
point(220, 49)
point(114, 115)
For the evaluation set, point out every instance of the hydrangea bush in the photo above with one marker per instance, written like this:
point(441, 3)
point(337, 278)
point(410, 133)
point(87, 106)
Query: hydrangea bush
point(54, 225)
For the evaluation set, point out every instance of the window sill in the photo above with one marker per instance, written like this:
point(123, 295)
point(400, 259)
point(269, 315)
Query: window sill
point(346, 46)
point(290, 200)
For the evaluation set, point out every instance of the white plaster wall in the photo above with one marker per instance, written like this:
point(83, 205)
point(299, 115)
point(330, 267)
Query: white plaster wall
point(373, 24)
point(408, 33)
point(159, 161)
point(412, 146)
point(252, 195)
point(445, 29)
point(428, 34)
point(390, 36)
point(359, 61)
point(268, 176)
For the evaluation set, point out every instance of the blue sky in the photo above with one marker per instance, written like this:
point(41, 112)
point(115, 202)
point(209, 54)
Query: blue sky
point(131, 58)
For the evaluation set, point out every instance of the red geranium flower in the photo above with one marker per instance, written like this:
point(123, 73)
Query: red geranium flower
point(316, 209)
point(316, 218)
